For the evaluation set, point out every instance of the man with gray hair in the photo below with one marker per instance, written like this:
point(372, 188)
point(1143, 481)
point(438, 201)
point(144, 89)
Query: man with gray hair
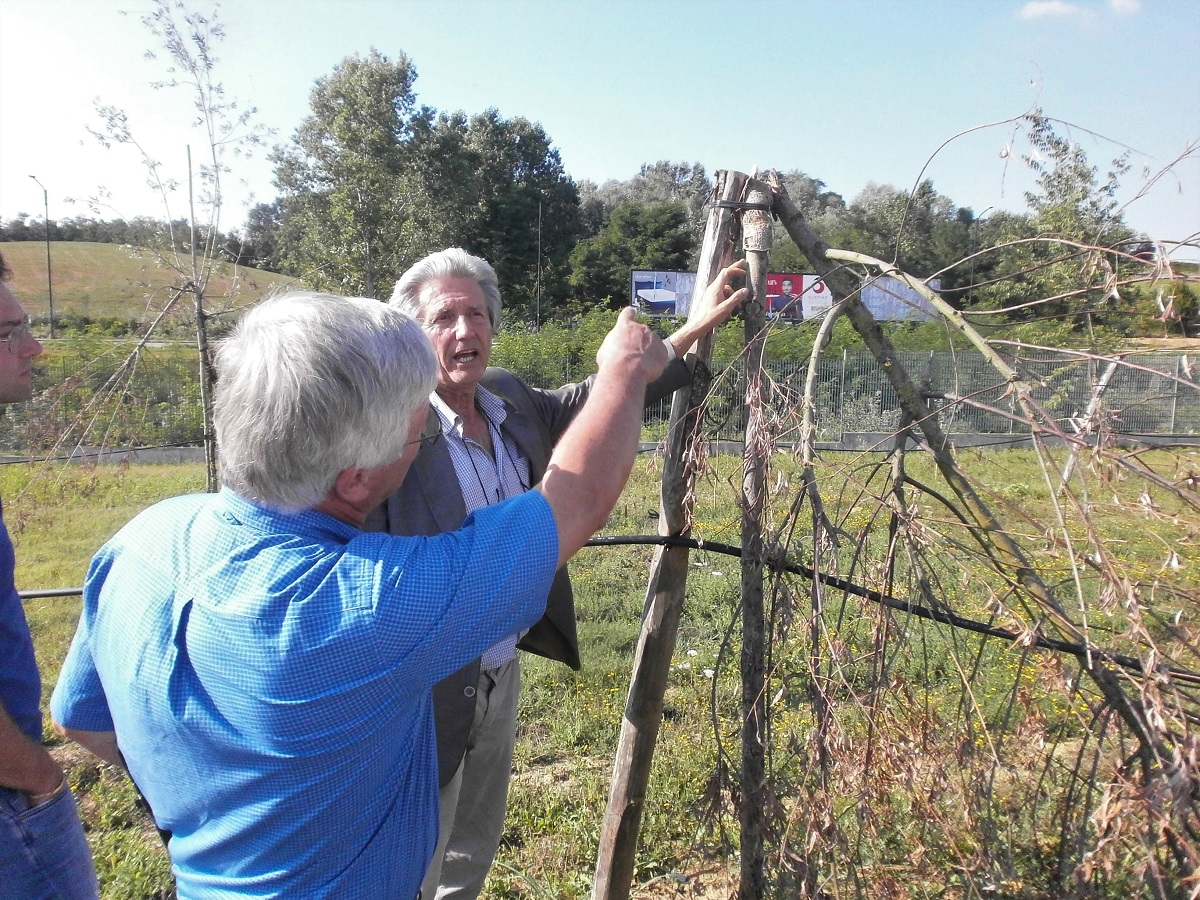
point(498, 435)
point(261, 665)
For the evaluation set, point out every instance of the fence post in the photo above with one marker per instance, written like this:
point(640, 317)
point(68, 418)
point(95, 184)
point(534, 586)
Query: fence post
point(1177, 371)
point(841, 388)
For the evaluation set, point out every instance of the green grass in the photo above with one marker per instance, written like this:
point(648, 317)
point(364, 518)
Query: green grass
point(110, 281)
point(952, 755)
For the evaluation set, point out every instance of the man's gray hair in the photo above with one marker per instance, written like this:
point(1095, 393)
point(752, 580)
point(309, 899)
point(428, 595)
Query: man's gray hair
point(310, 384)
point(453, 262)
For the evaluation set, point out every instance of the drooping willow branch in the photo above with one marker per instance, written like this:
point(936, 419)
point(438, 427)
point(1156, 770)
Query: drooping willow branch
point(1006, 555)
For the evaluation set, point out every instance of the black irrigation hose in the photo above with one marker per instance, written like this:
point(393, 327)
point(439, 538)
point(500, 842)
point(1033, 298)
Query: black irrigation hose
point(922, 612)
point(97, 453)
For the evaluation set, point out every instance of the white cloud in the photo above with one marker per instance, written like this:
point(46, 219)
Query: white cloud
point(1044, 9)
point(1038, 9)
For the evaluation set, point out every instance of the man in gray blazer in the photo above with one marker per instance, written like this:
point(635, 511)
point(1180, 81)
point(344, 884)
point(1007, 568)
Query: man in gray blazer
point(497, 434)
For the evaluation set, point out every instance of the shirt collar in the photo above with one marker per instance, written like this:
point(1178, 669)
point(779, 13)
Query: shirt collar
point(306, 523)
point(489, 404)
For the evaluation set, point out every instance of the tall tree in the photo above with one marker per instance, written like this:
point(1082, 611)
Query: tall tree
point(259, 244)
point(637, 236)
point(660, 182)
point(1071, 201)
point(371, 184)
point(825, 210)
point(516, 172)
point(338, 178)
point(1063, 266)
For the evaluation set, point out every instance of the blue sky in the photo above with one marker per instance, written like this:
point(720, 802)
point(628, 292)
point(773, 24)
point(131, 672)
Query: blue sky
point(849, 92)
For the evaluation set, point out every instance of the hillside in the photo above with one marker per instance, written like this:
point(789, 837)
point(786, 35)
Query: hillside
point(113, 281)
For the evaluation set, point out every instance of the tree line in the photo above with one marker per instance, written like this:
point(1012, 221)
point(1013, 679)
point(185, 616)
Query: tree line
point(372, 180)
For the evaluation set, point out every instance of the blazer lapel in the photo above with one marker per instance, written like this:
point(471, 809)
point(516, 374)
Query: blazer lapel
point(431, 483)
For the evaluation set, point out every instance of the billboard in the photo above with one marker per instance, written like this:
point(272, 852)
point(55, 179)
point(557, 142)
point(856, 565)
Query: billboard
point(661, 293)
point(791, 296)
point(795, 296)
point(889, 299)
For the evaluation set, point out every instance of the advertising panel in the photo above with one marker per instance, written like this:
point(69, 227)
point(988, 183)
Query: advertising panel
point(889, 299)
point(791, 296)
point(661, 293)
point(795, 296)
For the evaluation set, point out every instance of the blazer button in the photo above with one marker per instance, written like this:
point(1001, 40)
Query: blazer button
point(468, 691)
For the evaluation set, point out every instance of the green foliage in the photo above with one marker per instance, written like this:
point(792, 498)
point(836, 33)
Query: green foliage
point(1070, 201)
point(569, 721)
point(528, 207)
point(660, 182)
point(371, 183)
point(558, 353)
point(338, 177)
point(1060, 262)
point(922, 233)
point(1161, 307)
point(636, 236)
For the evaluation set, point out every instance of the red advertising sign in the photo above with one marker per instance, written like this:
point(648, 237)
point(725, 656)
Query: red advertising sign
point(795, 296)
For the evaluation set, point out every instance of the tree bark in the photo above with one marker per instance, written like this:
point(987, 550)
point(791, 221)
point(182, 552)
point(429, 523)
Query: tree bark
point(752, 810)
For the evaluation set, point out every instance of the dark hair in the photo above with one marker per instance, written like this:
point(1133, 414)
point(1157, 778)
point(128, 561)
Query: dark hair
point(5, 271)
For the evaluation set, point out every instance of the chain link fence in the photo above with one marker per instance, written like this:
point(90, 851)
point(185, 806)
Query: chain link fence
point(107, 401)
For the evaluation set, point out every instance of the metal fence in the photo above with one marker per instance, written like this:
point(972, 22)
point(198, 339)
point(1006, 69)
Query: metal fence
point(157, 402)
point(1149, 393)
point(107, 400)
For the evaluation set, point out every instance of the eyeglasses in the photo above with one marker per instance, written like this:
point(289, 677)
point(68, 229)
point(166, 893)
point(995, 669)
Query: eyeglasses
point(428, 440)
point(16, 335)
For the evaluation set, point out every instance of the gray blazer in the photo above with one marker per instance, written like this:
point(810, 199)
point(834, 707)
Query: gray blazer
point(431, 502)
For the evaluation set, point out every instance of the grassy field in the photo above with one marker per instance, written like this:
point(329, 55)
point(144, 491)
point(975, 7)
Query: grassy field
point(109, 281)
point(922, 726)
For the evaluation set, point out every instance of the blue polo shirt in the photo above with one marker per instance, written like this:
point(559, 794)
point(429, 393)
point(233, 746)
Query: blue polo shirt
point(269, 680)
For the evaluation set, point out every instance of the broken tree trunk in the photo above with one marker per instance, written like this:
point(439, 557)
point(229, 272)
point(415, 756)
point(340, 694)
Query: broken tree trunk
point(664, 596)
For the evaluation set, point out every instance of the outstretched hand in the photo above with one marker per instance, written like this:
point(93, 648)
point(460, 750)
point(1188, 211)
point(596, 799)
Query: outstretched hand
point(718, 302)
point(632, 346)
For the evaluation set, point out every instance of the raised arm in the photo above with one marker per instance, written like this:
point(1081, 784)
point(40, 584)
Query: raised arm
point(592, 460)
point(715, 305)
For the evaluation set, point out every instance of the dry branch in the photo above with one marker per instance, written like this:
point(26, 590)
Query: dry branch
point(1168, 791)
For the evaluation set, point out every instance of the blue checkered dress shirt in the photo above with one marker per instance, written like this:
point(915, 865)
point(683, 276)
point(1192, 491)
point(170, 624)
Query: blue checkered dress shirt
point(269, 680)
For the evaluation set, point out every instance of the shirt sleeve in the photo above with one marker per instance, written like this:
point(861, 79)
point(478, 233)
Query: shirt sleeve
point(452, 596)
point(78, 700)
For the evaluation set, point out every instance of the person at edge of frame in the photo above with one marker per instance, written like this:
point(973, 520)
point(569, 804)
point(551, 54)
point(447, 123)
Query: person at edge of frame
point(44, 854)
point(498, 433)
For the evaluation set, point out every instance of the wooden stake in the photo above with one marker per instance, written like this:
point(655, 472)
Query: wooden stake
point(664, 595)
point(752, 808)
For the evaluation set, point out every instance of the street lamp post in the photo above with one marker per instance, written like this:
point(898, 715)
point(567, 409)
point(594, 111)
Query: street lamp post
point(537, 319)
point(49, 279)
